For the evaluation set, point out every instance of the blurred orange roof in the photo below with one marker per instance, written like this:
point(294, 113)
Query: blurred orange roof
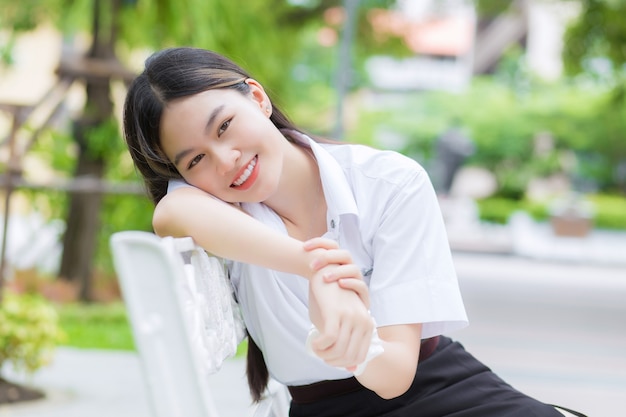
point(452, 35)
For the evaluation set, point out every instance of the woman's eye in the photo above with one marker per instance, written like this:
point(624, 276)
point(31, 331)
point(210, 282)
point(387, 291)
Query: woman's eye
point(195, 160)
point(223, 127)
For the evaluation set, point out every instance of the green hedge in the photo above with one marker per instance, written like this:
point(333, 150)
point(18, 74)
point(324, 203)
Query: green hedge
point(609, 210)
point(29, 331)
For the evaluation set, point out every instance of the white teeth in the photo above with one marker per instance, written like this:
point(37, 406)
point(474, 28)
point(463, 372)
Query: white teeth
point(246, 173)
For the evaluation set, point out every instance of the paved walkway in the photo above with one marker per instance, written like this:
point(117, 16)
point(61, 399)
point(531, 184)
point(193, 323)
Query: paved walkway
point(547, 314)
point(95, 383)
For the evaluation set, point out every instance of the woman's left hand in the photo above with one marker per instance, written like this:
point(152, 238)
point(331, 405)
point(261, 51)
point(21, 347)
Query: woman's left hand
point(343, 321)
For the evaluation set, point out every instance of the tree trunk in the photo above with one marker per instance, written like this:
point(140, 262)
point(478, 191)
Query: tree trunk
point(83, 217)
point(79, 243)
point(83, 223)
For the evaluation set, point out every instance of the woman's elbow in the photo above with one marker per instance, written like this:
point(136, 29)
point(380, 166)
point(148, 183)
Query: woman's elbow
point(395, 388)
point(162, 218)
point(158, 222)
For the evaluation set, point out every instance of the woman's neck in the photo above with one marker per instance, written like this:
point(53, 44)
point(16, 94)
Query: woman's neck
point(300, 199)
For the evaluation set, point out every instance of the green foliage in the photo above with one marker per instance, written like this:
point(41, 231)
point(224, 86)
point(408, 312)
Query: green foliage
point(29, 331)
point(96, 326)
point(600, 32)
point(609, 211)
point(104, 141)
point(499, 209)
point(504, 122)
point(25, 15)
point(490, 8)
point(263, 42)
point(119, 212)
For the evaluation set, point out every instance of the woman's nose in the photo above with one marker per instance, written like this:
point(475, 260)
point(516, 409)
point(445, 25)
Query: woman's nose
point(225, 159)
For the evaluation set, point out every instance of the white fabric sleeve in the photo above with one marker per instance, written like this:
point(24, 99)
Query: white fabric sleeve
point(413, 278)
point(176, 184)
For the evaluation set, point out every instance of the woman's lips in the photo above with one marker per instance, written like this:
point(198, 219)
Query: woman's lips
point(247, 177)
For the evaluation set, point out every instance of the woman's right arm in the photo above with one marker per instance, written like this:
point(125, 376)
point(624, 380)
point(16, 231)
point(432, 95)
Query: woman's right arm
point(227, 232)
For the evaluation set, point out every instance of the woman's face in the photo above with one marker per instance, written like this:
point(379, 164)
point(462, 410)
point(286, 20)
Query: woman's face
point(223, 142)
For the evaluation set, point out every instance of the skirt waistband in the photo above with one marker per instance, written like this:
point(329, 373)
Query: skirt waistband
point(306, 394)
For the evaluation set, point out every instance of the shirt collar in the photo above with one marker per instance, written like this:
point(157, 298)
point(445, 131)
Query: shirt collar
point(337, 190)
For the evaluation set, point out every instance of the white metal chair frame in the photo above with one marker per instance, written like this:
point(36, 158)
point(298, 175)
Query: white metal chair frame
point(152, 275)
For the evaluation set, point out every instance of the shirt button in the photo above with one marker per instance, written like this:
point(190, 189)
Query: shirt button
point(332, 223)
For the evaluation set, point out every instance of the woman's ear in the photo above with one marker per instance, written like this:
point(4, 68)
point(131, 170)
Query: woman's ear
point(258, 95)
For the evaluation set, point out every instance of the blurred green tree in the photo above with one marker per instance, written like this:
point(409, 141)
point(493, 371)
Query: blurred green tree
point(594, 47)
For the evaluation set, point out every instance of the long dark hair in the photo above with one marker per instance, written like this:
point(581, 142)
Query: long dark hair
point(169, 75)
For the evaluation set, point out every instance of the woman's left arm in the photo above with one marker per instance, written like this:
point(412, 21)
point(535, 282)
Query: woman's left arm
point(391, 373)
point(413, 290)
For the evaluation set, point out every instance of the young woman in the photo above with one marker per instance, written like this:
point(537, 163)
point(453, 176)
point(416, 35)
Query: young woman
point(343, 236)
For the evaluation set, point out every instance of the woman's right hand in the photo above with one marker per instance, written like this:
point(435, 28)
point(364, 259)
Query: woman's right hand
point(325, 252)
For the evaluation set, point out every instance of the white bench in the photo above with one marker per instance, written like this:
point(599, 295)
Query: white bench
point(185, 323)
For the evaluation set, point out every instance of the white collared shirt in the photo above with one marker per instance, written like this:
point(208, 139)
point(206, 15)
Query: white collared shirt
point(383, 209)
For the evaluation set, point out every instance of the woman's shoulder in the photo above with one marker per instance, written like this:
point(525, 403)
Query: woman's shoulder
point(374, 163)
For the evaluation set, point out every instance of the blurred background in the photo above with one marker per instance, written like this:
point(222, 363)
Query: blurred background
point(516, 108)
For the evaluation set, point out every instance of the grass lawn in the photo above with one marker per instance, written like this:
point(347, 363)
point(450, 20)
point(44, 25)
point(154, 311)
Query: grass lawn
point(101, 326)
point(95, 326)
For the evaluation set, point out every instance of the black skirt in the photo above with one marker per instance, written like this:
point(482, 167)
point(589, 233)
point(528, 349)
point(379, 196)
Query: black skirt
point(451, 382)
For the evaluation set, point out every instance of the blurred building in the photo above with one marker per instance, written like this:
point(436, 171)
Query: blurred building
point(451, 44)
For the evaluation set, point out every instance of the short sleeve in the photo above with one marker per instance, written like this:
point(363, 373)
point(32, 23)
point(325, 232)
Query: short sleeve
point(175, 184)
point(413, 278)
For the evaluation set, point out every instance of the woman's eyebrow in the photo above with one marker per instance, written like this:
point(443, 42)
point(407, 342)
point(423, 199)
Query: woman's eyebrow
point(213, 116)
point(180, 155)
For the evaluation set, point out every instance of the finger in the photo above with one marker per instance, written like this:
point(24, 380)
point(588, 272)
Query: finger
point(328, 336)
point(342, 271)
point(320, 243)
point(322, 343)
point(350, 350)
point(331, 257)
point(359, 287)
point(335, 354)
point(356, 352)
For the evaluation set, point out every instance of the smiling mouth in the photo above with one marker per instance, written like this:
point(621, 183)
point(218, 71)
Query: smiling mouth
point(246, 173)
